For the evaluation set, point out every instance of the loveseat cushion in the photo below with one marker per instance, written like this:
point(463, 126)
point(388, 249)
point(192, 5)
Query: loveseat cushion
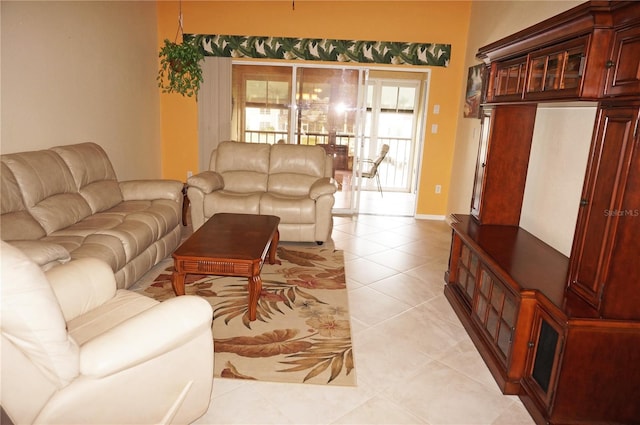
point(48, 189)
point(244, 167)
point(92, 173)
point(293, 169)
point(290, 209)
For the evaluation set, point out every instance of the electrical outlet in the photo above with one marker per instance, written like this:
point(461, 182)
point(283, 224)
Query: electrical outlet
point(189, 174)
point(434, 128)
point(438, 188)
point(436, 109)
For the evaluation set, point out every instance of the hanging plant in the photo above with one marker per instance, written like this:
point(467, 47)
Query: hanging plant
point(180, 69)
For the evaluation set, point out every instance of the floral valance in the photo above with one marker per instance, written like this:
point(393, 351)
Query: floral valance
point(315, 49)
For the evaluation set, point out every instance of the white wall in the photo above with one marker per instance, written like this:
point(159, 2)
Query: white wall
point(557, 164)
point(82, 71)
point(490, 21)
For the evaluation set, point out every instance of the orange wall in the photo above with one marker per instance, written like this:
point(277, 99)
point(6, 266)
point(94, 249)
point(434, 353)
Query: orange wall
point(411, 21)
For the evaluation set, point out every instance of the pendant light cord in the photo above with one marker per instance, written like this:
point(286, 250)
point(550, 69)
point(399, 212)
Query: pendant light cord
point(180, 29)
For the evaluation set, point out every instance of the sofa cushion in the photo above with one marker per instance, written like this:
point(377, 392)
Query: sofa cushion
point(43, 253)
point(120, 234)
point(32, 319)
point(93, 174)
point(17, 223)
point(163, 213)
point(244, 167)
point(48, 189)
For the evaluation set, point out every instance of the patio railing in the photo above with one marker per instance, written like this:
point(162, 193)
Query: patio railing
point(394, 171)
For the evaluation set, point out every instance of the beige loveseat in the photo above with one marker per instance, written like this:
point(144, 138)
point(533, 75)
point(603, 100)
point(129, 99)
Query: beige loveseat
point(65, 203)
point(74, 350)
point(293, 182)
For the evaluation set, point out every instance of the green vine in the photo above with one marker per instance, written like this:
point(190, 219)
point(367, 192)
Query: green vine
point(180, 68)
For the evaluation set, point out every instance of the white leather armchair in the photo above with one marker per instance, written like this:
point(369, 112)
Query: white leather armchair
point(77, 351)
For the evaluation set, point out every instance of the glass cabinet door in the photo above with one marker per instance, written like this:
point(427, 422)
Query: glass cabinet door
point(510, 77)
point(556, 72)
point(496, 307)
point(545, 350)
point(467, 271)
point(483, 145)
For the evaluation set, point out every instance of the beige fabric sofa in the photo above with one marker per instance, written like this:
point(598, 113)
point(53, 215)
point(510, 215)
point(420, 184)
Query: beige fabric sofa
point(65, 203)
point(293, 182)
point(75, 350)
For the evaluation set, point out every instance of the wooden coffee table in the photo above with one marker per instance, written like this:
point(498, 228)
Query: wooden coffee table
point(229, 245)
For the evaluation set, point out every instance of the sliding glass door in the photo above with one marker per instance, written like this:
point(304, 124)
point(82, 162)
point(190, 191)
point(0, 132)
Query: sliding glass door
point(352, 112)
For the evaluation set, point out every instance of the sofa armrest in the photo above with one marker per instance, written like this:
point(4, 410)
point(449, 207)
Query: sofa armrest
point(323, 186)
point(82, 285)
point(44, 254)
point(206, 181)
point(145, 336)
point(149, 190)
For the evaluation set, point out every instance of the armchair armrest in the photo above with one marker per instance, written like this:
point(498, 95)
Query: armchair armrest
point(323, 186)
point(148, 190)
point(82, 285)
point(206, 181)
point(151, 333)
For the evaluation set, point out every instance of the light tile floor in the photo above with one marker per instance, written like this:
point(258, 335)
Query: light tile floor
point(415, 363)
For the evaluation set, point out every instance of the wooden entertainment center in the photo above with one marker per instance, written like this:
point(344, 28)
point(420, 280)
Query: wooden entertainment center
point(561, 332)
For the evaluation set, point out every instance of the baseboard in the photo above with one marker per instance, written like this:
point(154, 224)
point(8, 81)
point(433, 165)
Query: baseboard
point(430, 217)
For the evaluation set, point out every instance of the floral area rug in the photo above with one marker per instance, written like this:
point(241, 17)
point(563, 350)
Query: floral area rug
point(302, 331)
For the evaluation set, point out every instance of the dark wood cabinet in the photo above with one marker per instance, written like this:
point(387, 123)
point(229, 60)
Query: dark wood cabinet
point(501, 168)
point(562, 57)
point(561, 332)
point(623, 76)
point(581, 370)
point(494, 274)
point(340, 154)
point(608, 224)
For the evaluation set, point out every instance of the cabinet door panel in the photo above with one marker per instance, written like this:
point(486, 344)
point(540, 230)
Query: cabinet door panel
point(607, 173)
point(623, 77)
point(478, 184)
point(544, 357)
point(495, 309)
point(500, 178)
